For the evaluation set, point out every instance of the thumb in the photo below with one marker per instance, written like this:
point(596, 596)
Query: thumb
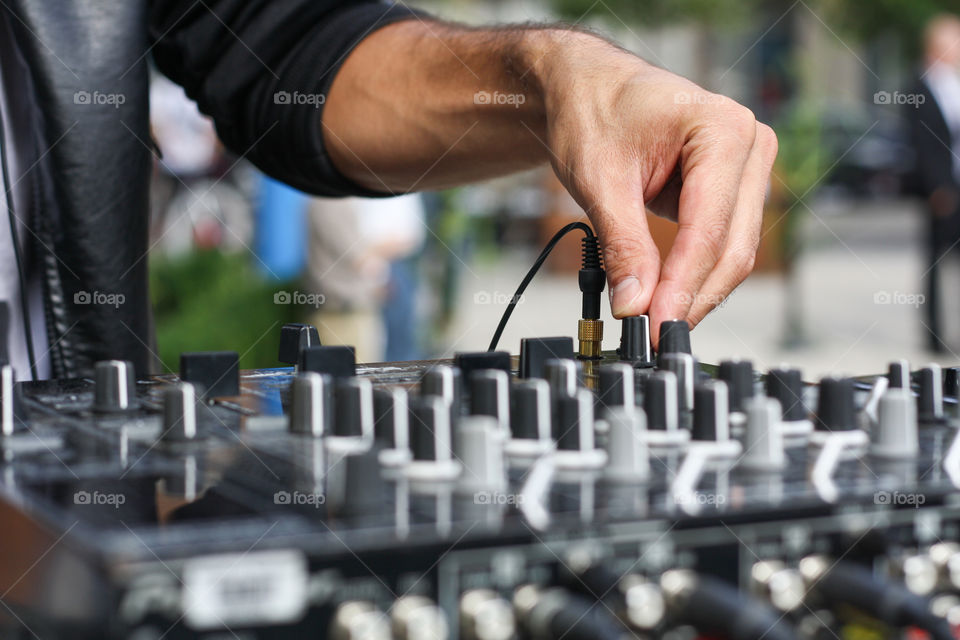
point(631, 259)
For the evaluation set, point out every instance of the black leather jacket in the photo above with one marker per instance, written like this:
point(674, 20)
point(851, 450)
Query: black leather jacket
point(89, 206)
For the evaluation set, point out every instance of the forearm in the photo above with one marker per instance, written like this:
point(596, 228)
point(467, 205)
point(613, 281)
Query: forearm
point(426, 105)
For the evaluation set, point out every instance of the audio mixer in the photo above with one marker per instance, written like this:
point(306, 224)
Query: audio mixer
point(557, 495)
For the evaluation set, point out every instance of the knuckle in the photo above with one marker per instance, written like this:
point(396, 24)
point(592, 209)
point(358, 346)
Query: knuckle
point(767, 141)
point(744, 259)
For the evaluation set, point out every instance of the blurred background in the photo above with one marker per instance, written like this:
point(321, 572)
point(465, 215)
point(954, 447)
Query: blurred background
point(843, 274)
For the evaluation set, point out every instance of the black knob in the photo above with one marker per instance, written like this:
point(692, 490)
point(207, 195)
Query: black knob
point(660, 401)
point(573, 421)
point(530, 409)
point(951, 382)
point(674, 338)
point(390, 417)
point(738, 374)
point(615, 387)
point(311, 403)
point(930, 397)
point(444, 382)
point(355, 486)
point(836, 410)
point(786, 385)
point(685, 368)
point(430, 429)
point(212, 373)
point(353, 408)
point(635, 346)
point(115, 386)
point(898, 374)
point(563, 375)
point(534, 353)
point(479, 360)
point(490, 395)
point(294, 338)
point(337, 361)
point(710, 411)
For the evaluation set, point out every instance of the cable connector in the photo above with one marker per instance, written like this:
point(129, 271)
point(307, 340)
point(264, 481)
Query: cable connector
point(592, 279)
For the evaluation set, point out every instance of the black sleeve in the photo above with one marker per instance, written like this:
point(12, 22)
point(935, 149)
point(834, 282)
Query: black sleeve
point(933, 158)
point(262, 68)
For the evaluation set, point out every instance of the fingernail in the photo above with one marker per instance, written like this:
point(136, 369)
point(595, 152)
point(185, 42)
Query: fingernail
point(624, 296)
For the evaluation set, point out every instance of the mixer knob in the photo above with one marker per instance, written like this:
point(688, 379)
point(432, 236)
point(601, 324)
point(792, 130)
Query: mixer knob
point(786, 386)
point(530, 419)
point(684, 367)
point(480, 449)
point(490, 395)
point(179, 413)
point(337, 361)
point(711, 417)
point(895, 435)
point(836, 410)
point(430, 440)
point(930, 397)
point(311, 404)
point(418, 618)
point(898, 374)
point(391, 419)
point(359, 620)
point(352, 414)
point(355, 486)
point(484, 615)
point(563, 375)
point(443, 381)
point(674, 338)
point(573, 431)
point(294, 338)
point(635, 346)
point(763, 447)
point(660, 401)
point(115, 386)
point(951, 382)
point(616, 387)
point(738, 374)
point(213, 373)
point(629, 458)
point(534, 353)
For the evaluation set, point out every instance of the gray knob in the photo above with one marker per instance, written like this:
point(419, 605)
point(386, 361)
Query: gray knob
point(179, 413)
point(628, 456)
point(898, 374)
point(711, 415)
point(530, 409)
point(562, 374)
point(573, 422)
point(684, 367)
point(444, 382)
point(311, 403)
point(896, 433)
point(479, 447)
point(391, 415)
point(430, 429)
point(660, 401)
point(616, 387)
point(763, 448)
point(930, 397)
point(490, 395)
point(114, 386)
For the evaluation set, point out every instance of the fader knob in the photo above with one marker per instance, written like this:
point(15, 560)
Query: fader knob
point(443, 381)
point(563, 376)
point(711, 417)
point(353, 408)
point(114, 386)
point(951, 382)
point(836, 410)
point(391, 417)
point(430, 439)
point(738, 374)
point(530, 410)
point(895, 435)
point(786, 386)
point(311, 403)
point(294, 338)
point(763, 447)
point(490, 395)
point(898, 374)
point(479, 448)
point(660, 401)
point(627, 453)
point(573, 431)
point(615, 388)
point(179, 413)
point(635, 346)
point(684, 367)
point(930, 397)
point(674, 338)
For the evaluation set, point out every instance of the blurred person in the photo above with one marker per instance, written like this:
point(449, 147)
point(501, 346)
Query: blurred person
point(356, 260)
point(935, 135)
point(342, 98)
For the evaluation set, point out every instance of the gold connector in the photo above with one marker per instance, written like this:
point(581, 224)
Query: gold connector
point(590, 335)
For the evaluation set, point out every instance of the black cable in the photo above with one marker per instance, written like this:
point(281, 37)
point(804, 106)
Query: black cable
point(532, 272)
point(15, 237)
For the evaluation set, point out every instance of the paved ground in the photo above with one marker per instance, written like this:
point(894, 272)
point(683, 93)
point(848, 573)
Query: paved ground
point(858, 288)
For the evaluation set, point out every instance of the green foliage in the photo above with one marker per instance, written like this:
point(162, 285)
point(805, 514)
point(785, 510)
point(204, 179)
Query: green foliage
point(656, 12)
point(210, 300)
point(868, 19)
